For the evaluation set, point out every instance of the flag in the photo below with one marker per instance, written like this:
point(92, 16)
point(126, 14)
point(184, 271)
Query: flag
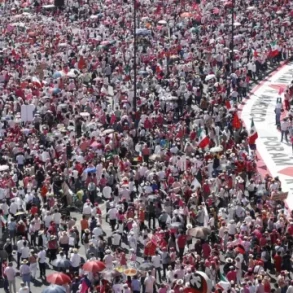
point(204, 140)
point(81, 63)
point(227, 104)
point(281, 90)
point(223, 278)
point(255, 54)
point(253, 133)
point(236, 123)
point(206, 217)
point(274, 49)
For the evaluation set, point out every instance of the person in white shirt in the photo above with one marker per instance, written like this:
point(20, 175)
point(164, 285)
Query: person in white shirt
point(116, 240)
point(13, 207)
point(25, 251)
point(149, 283)
point(48, 220)
point(156, 261)
point(19, 245)
point(232, 228)
point(25, 273)
point(57, 218)
point(75, 260)
point(98, 231)
point(87, 209)
point(10, 274)
point(107, 190)
point(20, 160)
point(108, 259)
point(42, 262)
point(284, 129)
point(112, 214)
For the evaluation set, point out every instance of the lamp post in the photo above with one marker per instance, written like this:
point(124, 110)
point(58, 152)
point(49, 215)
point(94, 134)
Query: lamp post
point(134, 59)
point(232, 40)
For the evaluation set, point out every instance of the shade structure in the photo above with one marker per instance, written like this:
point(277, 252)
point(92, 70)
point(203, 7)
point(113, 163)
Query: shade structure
point(94, 266)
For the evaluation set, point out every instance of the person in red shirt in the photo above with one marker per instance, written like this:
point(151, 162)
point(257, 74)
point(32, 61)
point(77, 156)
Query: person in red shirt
point(263, 241)
point(34, 210)
point(290, 229)
point(278, 262)
point(181, 242)
point(206, 250)
point(231, 275)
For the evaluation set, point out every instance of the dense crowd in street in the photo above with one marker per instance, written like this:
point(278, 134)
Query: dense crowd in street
point(166, 189)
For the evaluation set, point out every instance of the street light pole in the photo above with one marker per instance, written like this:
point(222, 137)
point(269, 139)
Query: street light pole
point(232, 41)
point(134, 58)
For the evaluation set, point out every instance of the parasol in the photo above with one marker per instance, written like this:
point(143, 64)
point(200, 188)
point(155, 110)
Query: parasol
point(162, 22)
point(239, 249)
point(216, 149)
point(19, 213)
point(58, 279)
point(54, 289)
point(107, 131)
point(146, 267)
point(210, 77)
point(143, 32)
point(186, 14)
point(93, 266)
point(199, 232)
point(4, 168)
point(176, 225)
point(130, 272)
point(61, 263)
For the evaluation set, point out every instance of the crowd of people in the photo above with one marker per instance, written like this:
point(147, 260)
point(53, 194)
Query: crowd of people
point(145, 180)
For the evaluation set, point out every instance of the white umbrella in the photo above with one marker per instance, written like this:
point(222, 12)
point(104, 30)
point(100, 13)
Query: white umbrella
point(107, 131)
point(209, 77)
point(237, 24)
point(216, 149)
point(4, 167)
point(93, 16)
point(51, 6)
point(62, 45)
point(163, 22)
point(73, 73)
point(250, 8)
point(84, 114)
point(170, 98)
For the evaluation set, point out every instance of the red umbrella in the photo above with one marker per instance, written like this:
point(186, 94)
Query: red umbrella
point(58, 279)
point(228, 4)
point(291, 13)
point(189, 290)
point(240, 249)
point(94, 266)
